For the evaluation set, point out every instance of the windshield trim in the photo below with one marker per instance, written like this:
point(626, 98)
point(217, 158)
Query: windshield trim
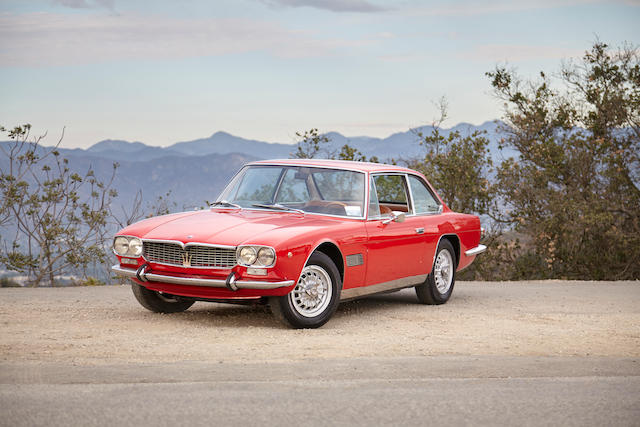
point(304, 165)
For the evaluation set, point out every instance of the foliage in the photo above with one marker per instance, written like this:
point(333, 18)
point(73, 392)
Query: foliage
point(162, 205)
point(58, 217)
point(7, 282)
point(349, 153)
point(311, 145)
point(574, 190)
point(90, 281)
point(458, 167)
point(314, 145)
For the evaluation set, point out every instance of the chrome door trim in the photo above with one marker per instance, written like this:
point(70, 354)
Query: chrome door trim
point(391, 285)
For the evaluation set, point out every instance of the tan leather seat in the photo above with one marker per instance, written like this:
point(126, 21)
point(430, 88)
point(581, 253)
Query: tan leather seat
point(384, 210)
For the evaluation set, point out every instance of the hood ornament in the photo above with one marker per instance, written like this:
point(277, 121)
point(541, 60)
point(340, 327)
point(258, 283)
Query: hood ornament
point(186, 259)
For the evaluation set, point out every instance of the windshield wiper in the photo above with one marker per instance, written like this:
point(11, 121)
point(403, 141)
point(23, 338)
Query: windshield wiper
point(225, 203)
point(278, 207)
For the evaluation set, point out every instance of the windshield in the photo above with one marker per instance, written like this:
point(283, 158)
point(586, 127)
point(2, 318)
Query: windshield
point(315, 190)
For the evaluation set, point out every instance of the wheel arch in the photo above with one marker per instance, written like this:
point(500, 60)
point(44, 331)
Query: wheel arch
point(331, 250)
point(455, 242)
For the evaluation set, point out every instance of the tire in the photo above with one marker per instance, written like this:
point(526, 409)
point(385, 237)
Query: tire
point(158, 302)
point(313, 307)
point(438, 286)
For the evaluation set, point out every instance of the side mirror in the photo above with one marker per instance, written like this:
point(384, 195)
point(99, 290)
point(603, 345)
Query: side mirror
point(395, 217)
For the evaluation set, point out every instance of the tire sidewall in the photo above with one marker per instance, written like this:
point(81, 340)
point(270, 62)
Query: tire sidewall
point(437, 296)
point(152, 301)
point(428, 292)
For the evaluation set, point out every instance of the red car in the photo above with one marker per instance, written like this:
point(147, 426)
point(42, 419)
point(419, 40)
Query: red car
point(302, 235)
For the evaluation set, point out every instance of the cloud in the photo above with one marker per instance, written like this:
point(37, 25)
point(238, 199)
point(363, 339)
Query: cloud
point(41, 39)
point(485, 7)
point(332, 5)
point(516, 53)
point(404, 57)
point(86, 4)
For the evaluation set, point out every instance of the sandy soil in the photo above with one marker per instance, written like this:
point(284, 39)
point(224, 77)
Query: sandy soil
point(105, 325)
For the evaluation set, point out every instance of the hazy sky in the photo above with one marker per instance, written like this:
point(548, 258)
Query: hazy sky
point(166, 71)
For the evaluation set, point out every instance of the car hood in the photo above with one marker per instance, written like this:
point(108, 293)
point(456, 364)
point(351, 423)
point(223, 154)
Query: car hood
point(225, 227)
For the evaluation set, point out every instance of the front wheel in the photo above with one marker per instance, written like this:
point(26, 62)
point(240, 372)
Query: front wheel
point(438, 287)
point(314, 299)
point(159, 302)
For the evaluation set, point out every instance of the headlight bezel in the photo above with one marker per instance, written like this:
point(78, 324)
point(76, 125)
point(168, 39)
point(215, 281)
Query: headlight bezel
point(133, 250)
point(256, 261)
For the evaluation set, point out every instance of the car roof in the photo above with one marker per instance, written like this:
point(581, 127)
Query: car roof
point(335, 164)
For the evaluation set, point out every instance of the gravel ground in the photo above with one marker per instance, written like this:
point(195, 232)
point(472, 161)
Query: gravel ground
point(105, 325)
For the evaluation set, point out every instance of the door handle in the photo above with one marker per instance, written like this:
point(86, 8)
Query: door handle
point(420, 230)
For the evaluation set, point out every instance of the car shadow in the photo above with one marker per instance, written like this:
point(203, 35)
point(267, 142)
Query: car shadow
point(228, 315)
point(259, 315)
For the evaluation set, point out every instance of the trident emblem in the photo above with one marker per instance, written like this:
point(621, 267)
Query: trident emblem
point(186, 259)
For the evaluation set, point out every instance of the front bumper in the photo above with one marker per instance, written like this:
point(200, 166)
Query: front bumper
point(229, 283)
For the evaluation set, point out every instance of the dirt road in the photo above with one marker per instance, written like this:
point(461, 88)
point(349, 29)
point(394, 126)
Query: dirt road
point(525, 353)
point(105, 325)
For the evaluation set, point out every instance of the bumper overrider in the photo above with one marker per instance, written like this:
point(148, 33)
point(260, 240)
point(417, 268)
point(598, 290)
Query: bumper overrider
point(230, 282)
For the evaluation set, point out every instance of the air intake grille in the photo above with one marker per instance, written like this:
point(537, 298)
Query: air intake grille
point(191, 256)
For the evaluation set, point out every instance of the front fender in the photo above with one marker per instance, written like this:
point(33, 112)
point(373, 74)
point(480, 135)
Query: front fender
point(293, 258)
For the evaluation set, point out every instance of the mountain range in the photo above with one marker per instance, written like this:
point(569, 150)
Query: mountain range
point(402, 144)
point(197, 170)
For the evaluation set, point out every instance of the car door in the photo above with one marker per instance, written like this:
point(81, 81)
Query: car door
point(395, 250)
point(427, 209)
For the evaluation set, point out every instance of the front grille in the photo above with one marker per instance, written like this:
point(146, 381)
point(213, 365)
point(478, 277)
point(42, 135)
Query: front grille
point(191, 256)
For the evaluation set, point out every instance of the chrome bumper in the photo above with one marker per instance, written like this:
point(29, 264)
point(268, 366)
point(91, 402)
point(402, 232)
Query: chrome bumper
point(475, 251)
point(230, 282)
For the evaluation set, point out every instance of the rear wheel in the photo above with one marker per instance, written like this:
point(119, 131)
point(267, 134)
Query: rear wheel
point(314, 299)
point(159, 302)
point(438, 287)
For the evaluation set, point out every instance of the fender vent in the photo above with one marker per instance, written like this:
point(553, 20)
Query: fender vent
point(354, 260)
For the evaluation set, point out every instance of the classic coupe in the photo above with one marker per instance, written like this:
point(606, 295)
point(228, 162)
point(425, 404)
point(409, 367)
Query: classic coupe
point(302, 235)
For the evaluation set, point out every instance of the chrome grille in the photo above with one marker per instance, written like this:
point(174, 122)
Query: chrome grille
point(198, 255)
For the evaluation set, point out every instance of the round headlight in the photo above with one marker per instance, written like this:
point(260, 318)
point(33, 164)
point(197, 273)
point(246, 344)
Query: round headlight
point(247, 255)
point(135, 247)
point(266, 257)
point(121, 245)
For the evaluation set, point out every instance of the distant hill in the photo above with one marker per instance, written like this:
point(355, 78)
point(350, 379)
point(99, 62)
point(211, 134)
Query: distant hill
point(224, 143)
point(195, 171)
point(190, 179)
point(119, 150)
point(399, 145)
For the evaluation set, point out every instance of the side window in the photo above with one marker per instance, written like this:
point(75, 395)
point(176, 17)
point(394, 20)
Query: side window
point(374, 207)
point(422, 197)
point(293, 188)
point(392, 193)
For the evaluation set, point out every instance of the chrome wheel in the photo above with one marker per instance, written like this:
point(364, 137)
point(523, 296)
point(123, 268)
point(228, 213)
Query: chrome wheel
point(313, 292)
point(443, 271)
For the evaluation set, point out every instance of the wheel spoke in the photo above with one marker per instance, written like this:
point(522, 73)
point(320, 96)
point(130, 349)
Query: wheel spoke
point(312, 293)
point(443, 271)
